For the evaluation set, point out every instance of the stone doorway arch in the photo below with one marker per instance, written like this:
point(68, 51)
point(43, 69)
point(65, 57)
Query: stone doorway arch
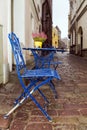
point(80, 40)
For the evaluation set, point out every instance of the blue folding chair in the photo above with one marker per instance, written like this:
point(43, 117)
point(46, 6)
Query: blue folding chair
point(34, 77)
point(42, 61)
point(45, 61)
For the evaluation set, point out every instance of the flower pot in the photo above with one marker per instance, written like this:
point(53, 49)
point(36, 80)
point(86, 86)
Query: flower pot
point(38, 44)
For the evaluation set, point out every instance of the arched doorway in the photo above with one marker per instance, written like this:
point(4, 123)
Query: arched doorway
point(80, 39)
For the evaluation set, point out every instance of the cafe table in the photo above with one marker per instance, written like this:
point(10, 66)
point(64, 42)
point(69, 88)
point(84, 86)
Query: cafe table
point(45, 61)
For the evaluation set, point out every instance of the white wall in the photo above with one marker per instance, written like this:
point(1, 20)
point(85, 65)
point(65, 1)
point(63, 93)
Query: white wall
point(31, 21)
point(83, 23)
point(18, 21)
point(4, 23)
point(9, 30)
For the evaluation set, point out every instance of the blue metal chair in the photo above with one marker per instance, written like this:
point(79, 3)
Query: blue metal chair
point(45, 61)
point(37, 78)
point(42, 61)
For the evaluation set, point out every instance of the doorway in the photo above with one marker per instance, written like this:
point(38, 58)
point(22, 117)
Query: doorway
point(80, 39)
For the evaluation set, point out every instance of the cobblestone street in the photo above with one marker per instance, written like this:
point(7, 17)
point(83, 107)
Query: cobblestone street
point(69, 111)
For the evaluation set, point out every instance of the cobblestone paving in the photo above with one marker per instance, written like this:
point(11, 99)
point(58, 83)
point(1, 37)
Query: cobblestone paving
point(69, 111)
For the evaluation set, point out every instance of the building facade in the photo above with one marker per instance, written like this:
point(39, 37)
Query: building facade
point(23, 17)
point(56, 36)
point(47, 20)
point(66, 43)
point(78, 27)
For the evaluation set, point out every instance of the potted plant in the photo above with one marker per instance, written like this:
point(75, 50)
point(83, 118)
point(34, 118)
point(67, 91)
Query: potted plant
point(39, 38)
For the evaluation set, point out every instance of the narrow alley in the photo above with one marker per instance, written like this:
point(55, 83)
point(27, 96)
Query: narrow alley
point(69, 111)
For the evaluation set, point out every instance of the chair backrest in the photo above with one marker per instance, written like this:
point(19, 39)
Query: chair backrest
point(16, 48)
point(43, 61)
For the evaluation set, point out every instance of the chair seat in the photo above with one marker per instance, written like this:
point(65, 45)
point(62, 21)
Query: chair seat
point(40, 73)
point(55, 63)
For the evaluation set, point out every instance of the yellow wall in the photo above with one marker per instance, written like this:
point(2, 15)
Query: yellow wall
point(54, 37)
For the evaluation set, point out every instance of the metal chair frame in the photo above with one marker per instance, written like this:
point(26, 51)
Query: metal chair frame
point(37, 77)
point(47, 61)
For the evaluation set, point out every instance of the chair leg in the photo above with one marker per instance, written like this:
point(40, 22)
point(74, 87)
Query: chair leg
point(42, 110)
point(44, 97)
point(35, 101)
point(18, 99)
point(33, 83)
point(26, 89)
point(53, 89)
point(14, 108)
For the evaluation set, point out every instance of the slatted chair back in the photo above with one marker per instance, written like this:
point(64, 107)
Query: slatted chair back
point(20, 64)
point(43, 61)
